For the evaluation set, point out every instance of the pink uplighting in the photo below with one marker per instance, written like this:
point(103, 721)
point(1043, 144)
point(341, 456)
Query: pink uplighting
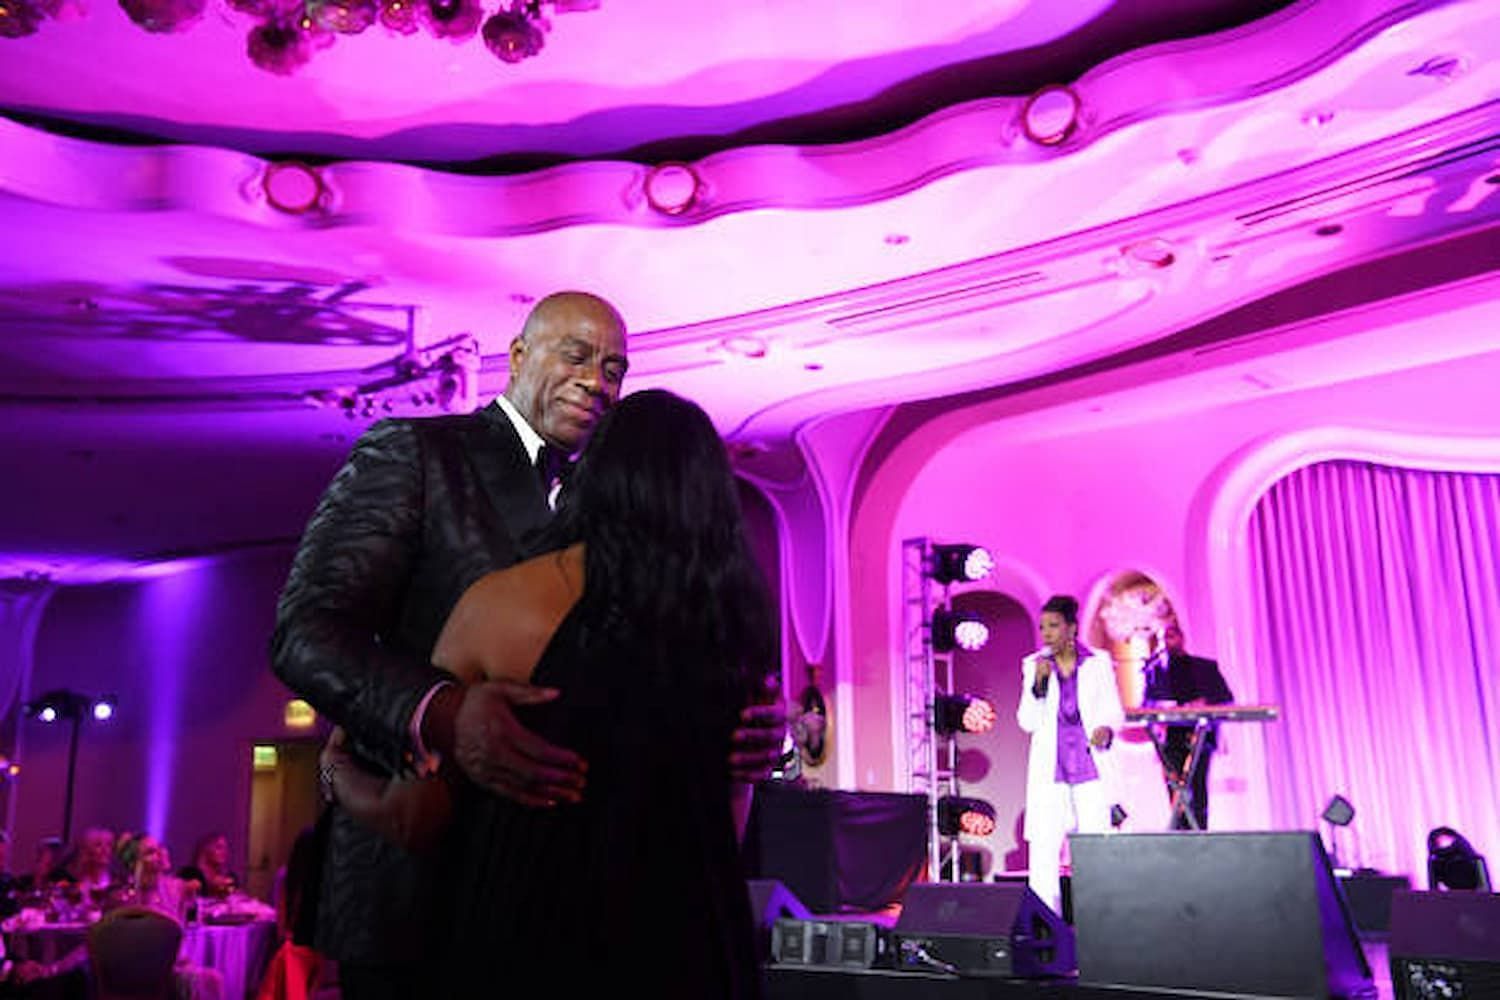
point(1193, 303)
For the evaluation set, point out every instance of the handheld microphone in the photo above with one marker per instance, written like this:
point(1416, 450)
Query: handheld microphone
point(1039, 685)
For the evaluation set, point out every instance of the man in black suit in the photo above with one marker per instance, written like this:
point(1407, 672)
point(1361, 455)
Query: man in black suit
point(1174, 676)
point(420, 510)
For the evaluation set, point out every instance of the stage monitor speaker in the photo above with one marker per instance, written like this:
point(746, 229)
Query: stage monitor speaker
point(1369, 897)
point(1445, 945)
point(770, 901)
point(1234, 914)
point(992, 929)
point(845, 944)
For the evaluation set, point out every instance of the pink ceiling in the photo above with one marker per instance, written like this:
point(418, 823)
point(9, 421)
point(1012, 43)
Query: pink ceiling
point(871, 226)
point(625, 74)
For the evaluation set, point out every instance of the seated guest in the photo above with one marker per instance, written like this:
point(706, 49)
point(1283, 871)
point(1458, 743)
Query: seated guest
point(154, 885)
point(210, 867)
point(46, 868)
point(151, 886)
point(93, 866)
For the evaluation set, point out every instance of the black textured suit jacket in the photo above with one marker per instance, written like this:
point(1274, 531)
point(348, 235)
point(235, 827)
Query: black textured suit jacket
point(420, 510)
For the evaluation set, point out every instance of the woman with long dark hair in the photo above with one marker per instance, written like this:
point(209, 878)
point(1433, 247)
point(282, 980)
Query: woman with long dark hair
point(648, 616)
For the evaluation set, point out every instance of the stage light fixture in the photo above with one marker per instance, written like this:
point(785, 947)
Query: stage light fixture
point(957, 814)
point(1453, 864)
point(962, 713)
point(958, 630)
point(960, 563)
point(1339, 811)
point(74, 707)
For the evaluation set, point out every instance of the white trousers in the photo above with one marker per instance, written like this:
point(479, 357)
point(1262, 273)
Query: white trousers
point(1060, 809)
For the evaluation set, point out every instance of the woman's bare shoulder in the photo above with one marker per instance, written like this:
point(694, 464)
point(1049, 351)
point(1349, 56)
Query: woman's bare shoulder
point(504, 615)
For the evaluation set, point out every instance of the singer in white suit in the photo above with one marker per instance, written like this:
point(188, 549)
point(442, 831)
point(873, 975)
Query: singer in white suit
point(1071, 707)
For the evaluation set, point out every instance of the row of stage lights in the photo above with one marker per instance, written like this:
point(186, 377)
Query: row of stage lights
point(55, 705)
point(953, 629)
point(70, 706)
point(952, 714)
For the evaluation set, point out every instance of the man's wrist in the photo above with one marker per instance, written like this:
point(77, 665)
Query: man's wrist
point(437, 727)
point(327, 775)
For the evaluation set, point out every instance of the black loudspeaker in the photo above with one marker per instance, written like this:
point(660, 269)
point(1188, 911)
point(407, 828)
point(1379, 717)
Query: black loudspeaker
point(1445, 945)
point(1369, 896)
point(849, 944)
point(1235, 914)
point(770, 901)
point(995, 929)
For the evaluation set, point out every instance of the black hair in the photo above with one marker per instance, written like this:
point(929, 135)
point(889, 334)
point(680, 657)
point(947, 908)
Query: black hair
point(668, 572)
point(1063, 604)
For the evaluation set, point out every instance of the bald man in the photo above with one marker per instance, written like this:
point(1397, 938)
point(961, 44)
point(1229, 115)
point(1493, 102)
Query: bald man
point(420, 510)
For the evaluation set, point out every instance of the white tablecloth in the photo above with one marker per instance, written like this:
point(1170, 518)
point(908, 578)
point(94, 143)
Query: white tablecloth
point(238, 952)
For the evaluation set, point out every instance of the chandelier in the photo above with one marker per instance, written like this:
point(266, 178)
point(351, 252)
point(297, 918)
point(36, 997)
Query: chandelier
point(286, 33)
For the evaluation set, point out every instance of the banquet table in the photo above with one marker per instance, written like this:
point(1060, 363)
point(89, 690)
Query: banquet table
point(238, 952)
point(44, 943)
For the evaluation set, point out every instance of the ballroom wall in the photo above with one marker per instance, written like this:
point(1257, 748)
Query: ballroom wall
point(185, 651)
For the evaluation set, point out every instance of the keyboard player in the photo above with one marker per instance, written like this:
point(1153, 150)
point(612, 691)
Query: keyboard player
point(1176, 677)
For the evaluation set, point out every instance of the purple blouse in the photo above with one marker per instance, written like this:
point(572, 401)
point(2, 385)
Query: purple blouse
point(1074, 764)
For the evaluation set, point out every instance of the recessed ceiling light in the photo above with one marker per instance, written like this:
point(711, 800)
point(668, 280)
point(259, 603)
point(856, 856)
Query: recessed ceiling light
point(293, 188)
point(673, 188)
point(1153, 253)
point(1051, 115)
point(745, 345)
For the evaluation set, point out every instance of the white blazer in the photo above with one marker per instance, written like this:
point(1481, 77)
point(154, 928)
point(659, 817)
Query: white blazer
point(1098, 705)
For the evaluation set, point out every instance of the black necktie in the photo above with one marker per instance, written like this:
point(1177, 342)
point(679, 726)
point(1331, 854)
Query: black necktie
point(550, 463)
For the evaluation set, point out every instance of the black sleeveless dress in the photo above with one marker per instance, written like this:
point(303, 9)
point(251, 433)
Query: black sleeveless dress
point(638, 886)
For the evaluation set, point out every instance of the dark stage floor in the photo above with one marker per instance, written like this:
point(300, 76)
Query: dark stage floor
point(873, 984)
point(787, 983)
